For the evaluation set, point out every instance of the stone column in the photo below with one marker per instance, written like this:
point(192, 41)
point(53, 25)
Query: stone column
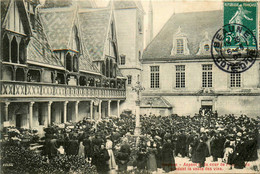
point(99, 110)
point(91, 110)
point(49, 113)
point(76, 110)
point(108, 108)
point(137, 119)
point(118, 109)
point(31, 114)
point(65, 111)
point(6, 111)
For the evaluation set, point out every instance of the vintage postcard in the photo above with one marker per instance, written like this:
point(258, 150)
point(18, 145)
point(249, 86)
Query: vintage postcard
point(129, 86)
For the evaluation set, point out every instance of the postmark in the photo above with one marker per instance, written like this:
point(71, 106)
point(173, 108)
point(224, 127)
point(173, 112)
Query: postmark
point(234, 48)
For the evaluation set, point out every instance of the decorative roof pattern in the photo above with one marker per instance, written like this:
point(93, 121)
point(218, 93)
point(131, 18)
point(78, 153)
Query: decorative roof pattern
point(154, 102)
point(94, 28)
point(123, 4)
point(39, 49)
point(194, 24)
point(58, 26)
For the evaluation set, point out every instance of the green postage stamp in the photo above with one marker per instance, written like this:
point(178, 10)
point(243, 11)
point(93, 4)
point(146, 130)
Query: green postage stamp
point(234, 46)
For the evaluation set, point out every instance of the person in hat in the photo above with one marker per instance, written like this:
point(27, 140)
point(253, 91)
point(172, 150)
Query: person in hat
point(168, 161)
point(201, 152)
point(151, 161)
point(109, 146)
point(239, 153)
point(123, 156)
point(100, 159)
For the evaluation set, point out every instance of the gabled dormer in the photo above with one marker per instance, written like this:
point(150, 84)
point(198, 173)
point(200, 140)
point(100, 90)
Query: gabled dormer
point(16, 32)
point(204, 47)
point(180, 43)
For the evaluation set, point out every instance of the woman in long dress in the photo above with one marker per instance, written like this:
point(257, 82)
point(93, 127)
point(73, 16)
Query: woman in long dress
point(168, 161)
point(151, 162)
point(81, 152)
point(111, 161)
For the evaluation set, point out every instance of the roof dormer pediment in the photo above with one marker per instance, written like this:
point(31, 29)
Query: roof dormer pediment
point(180, 43)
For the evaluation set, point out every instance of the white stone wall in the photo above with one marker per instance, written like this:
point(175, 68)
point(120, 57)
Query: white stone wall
point(185, 102)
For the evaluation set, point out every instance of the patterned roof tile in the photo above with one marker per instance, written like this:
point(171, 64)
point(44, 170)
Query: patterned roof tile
point(94, 28)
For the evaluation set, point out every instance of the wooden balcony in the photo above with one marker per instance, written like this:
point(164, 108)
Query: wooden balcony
point(15, 89)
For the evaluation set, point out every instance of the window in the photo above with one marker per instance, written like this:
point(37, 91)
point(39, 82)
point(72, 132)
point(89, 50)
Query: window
point(129, 80)
point(155, 75)
point(180, 76)
point(235, 80)
point(122, 57)
point(206, 76)
point(206, 47)
point(179, 46)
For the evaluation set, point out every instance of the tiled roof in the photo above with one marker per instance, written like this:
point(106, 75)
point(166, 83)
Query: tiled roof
point(39, 49)
point(57, 3)
point(193, 24)
point(4, 8)
point(94, 27)
point(58, 25)
point(154, 102)
point(122, 4)
point(86, 64)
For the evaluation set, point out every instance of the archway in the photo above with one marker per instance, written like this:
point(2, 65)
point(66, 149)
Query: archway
point(111, 69)
point(22, 52)
point(34, 76)
point(103, 67)
point(82, 81)
point(7, 73)
point(14, 51)
point(75, 63)
point(20, 75)
point(5, 48)
point(68, 62)
point(107, 68)
point(60, 79)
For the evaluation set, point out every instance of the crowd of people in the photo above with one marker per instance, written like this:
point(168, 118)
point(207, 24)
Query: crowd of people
point(107, 145)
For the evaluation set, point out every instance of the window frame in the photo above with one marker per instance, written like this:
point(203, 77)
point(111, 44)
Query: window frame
point(235, 80)
point(129, 79)
point(122, 57)
point(207, 73)
point(155, 77)
point(180, 77)
point(179, 45)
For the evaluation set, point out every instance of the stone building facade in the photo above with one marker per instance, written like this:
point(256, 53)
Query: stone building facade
point(178, 68)
point(59, 63)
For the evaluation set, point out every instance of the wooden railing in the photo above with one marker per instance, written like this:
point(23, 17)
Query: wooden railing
point(29, 89)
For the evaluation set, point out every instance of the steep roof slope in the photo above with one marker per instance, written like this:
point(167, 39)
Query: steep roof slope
point(193, 24)
point(94, 28)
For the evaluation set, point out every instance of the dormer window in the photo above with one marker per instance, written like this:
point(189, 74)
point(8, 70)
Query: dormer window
point(180, 43)
point(206, 47)
point(14, 48)
point(179, 46)
point(72, 62)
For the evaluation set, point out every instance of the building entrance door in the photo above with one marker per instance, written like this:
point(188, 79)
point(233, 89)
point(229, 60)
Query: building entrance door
point(18, 120)
point(207, 108)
